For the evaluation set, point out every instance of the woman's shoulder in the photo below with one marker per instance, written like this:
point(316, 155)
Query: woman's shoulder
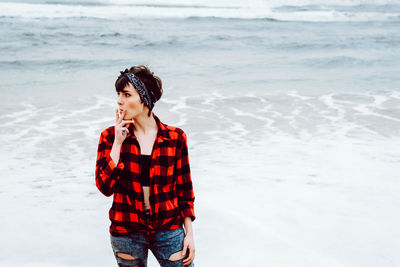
point(175, 132)
point(167, 130)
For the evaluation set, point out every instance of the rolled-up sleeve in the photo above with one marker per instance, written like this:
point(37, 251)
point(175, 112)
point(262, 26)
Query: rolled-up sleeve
point(184, 181)
point(107, 172)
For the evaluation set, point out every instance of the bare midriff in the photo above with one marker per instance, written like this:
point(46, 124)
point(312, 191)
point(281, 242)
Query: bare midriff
point(146, 197)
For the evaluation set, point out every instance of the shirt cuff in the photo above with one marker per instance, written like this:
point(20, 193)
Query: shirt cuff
point(111, 167)
point(188, 212)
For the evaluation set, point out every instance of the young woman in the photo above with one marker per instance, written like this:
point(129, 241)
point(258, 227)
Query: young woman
point(144, 164)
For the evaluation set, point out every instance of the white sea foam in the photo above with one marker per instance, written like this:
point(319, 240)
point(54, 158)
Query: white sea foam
point(253, 11)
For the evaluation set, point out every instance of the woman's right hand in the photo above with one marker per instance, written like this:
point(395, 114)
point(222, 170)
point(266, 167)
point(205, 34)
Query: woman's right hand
point(120, 130)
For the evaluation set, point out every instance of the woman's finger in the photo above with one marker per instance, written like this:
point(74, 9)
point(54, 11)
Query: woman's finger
point(190, 257)
point(121, 117)
point(185, 246)
point(124, 131)
point(116, 116)
point(188, 260)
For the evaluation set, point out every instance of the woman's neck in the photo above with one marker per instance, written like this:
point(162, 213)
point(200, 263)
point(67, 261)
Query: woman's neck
point(145, 124)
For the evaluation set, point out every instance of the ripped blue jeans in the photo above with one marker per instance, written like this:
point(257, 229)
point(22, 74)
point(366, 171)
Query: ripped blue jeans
point(162, 244)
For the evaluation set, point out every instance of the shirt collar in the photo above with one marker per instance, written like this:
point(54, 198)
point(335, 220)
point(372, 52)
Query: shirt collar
point(162, 133)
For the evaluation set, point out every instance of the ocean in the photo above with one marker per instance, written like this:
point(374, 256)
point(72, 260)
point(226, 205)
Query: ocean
point(291, 109)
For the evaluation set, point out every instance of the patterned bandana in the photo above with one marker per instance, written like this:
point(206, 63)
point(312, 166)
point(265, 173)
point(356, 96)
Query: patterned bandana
point(145, 95)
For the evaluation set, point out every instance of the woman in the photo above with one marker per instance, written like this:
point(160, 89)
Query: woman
point(144, 164)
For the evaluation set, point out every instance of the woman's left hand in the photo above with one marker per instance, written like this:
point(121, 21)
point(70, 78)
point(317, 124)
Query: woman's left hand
point(188, 244)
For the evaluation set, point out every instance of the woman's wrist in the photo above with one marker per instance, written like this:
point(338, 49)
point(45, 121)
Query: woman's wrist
point(188, 226)
point(116, 144)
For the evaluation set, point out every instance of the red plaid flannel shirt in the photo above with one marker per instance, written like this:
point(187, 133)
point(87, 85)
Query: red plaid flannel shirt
point(171, 192)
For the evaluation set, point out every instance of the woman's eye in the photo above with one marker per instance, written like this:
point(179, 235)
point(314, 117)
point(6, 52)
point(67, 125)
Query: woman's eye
point(127, 95)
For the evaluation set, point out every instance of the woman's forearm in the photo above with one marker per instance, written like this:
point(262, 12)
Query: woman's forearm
point(188, 225)
point(115, 152)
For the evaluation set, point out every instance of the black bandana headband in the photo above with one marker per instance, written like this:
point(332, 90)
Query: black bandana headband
point(146, 96)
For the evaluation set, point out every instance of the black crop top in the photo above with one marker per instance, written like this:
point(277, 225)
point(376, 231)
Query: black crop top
point(144, 163)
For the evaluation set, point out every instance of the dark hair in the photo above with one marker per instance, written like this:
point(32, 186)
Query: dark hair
point(152, 82)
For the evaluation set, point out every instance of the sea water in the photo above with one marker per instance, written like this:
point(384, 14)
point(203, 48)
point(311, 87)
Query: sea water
point(291, 110)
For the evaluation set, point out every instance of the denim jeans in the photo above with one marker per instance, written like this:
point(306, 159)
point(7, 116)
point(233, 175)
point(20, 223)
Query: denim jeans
point(162, 244)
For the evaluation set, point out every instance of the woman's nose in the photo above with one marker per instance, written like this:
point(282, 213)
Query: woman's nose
point(119, 100)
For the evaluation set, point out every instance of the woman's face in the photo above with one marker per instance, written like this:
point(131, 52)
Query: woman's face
point(129, 100)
